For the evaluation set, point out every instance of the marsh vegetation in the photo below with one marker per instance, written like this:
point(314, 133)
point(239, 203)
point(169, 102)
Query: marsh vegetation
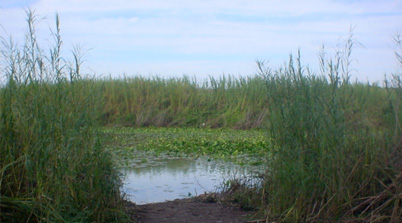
point(332, 149)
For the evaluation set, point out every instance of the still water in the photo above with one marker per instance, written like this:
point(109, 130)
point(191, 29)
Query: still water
point(178, 178)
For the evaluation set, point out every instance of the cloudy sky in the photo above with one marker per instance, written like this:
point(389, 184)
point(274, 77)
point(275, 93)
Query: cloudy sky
point(214, 37)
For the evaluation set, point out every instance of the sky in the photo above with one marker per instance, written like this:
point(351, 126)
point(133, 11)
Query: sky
point(201, 38)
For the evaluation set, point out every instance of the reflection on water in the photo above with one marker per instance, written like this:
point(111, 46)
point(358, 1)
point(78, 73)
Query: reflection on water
point(179, 178)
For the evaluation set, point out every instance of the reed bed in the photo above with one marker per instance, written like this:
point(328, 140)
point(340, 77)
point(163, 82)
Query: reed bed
point(52, 165)
point(337, 146)
point(226, 102)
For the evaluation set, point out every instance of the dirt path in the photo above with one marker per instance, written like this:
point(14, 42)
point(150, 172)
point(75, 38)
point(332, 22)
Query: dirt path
point(191, 210)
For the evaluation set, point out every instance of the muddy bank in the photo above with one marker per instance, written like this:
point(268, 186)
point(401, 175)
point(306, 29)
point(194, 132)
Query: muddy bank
point(204, 208)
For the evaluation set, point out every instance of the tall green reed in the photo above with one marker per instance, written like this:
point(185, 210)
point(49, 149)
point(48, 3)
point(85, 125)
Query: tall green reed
point(224, 102)
point(333, 144)
point(53, 166)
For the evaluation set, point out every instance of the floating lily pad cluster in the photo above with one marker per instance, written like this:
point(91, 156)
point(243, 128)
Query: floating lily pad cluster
point(136, 146)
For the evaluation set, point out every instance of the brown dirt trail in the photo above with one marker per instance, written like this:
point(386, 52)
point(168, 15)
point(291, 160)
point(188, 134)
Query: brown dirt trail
point(192, 210)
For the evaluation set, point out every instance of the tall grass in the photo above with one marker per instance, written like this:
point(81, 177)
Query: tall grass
point(52, 165)
point(337, 145)
point(224, 102)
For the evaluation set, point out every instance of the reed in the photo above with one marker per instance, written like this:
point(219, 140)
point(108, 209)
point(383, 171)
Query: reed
point(335, 145)
point(225, 102)
point(52, 165)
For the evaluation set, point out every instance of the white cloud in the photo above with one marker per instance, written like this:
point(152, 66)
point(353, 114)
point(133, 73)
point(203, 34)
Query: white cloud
point(242, 30)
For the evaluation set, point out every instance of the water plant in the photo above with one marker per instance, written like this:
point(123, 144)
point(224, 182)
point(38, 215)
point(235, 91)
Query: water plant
point(133, 146)
point(332, 147)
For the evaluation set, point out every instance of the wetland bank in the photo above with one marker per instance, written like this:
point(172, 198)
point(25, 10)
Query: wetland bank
point(172, 163)
point(330, 149)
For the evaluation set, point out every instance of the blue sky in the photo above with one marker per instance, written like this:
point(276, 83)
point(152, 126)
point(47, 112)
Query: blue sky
point(209, 38)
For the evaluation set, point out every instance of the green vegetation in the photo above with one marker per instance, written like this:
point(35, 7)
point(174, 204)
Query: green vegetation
point(333, 148)
point(337, 148)
point(133, 146)
point(228, 102)
point(53, 167)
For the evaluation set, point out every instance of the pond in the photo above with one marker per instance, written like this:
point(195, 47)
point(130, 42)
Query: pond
point(179, 178)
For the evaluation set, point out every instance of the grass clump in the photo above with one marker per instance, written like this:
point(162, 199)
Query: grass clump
point(52, 165)
point(336, 145)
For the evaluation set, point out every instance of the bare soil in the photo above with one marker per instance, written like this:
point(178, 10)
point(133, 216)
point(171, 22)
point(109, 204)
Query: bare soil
point(203, 209)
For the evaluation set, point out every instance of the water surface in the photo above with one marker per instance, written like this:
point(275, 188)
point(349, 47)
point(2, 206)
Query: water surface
point(179, 178)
